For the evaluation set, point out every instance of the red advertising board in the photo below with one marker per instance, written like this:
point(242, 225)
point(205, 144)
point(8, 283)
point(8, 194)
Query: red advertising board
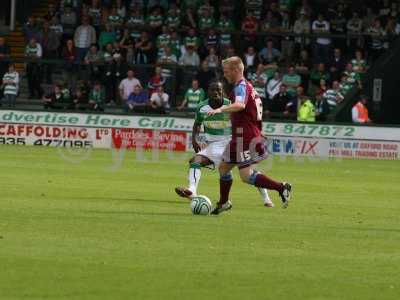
point(131, 138)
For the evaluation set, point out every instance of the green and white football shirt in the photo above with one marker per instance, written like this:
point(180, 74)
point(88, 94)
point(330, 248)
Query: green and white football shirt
point(216, 127)
point(194, 97)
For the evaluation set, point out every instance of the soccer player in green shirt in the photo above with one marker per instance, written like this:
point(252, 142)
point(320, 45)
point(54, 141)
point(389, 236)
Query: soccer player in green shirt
point(217, 130)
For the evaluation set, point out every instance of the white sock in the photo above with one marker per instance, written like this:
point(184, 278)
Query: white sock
point(264, 195)
point(194, 179)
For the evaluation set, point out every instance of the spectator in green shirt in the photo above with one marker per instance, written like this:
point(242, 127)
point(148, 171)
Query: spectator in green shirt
point(319, 73)
point(193, 96)
point(97, 97)
point(206, 21)
point(291, 80)
point(107, 36)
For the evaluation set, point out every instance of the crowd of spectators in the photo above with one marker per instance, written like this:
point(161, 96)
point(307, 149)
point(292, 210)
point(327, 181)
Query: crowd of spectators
point(147, 56)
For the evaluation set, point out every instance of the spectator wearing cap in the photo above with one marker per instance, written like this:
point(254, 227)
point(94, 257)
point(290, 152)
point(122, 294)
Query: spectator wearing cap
point(359, 112)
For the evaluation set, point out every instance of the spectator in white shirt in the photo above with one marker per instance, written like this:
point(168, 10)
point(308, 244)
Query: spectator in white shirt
point(250, 59)
point(322, 44)
point(274, 85)
point(302, 26)
point(354, 26)
point(85, 35)
point(10, 85)
point(127, 85)
point(190, 58)
point(159, 101)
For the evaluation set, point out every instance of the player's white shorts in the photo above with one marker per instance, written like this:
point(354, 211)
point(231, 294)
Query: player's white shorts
point(214, 151)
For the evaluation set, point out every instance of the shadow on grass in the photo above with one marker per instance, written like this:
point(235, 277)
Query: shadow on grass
point(138, 213)
point(130, 199)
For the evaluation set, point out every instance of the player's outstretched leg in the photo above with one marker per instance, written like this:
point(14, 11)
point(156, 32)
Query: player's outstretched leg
point(194, 176)
point(193, 179)
point(260, 180)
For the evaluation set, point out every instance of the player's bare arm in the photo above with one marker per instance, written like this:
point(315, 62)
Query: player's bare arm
point(195, 134)
point(234, 107)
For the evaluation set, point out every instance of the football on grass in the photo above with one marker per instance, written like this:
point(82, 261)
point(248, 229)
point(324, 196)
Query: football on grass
point(200, 205)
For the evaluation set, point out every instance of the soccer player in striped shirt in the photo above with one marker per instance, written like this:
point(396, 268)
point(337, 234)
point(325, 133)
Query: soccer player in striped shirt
point(217, 129)
point(247, 146)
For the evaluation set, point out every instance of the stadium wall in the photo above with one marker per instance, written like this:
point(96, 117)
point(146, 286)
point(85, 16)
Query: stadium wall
point(170, 133)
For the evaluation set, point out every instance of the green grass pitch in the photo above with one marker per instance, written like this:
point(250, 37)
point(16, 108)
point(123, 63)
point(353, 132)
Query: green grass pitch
point(111, 227)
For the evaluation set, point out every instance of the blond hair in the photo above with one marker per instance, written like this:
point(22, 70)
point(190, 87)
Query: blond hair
point(234, 62)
